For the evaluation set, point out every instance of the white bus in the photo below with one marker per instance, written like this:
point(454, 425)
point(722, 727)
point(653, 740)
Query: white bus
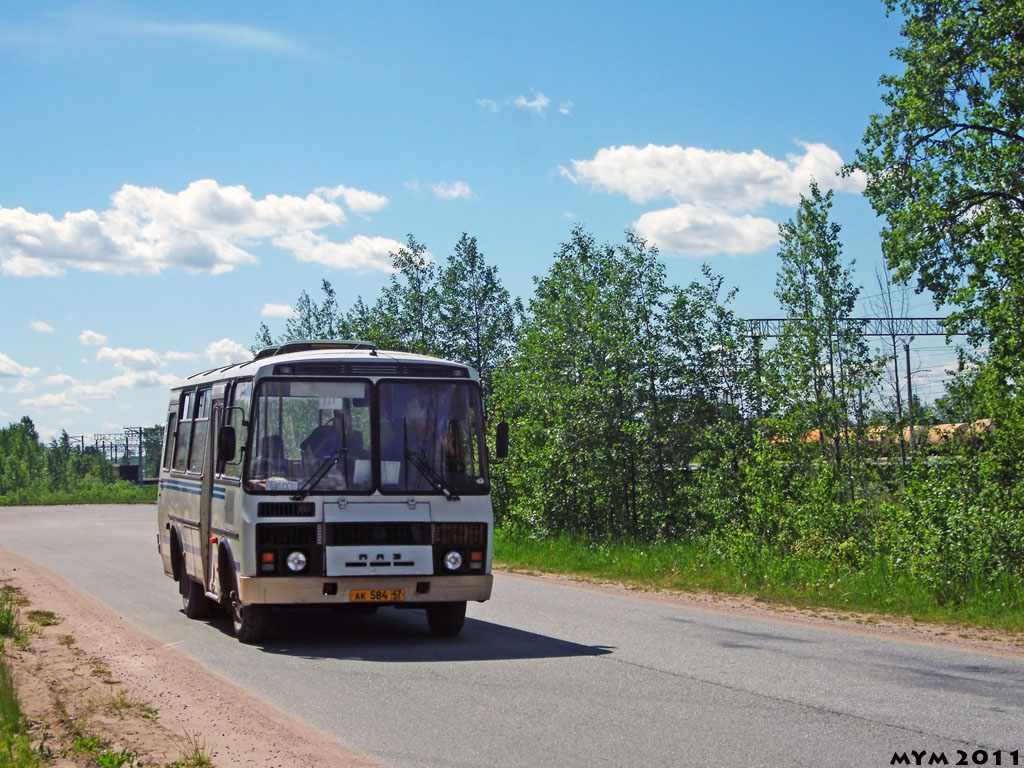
point(327, 474)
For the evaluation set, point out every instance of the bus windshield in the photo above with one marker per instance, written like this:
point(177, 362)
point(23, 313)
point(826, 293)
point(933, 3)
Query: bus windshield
point(431, 437)
point(318, 437)
point(308, 428)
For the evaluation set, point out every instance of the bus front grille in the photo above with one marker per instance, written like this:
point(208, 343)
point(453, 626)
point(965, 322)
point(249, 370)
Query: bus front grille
point(286, 535)
point(459, 534)
point(286, 509)
point(380, 534)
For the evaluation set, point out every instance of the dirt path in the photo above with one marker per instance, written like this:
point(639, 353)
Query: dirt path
point(91, 677)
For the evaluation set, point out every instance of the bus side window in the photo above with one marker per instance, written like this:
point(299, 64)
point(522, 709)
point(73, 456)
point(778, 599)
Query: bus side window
point(200, 428)
point(169, 440)
point(236, 404)
point(183, 435)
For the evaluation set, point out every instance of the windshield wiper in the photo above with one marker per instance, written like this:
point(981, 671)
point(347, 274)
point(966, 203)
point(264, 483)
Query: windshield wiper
point(420, 462)
point(319, 472)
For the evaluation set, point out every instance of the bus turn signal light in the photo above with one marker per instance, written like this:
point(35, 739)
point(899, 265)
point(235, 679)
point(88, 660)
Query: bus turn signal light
point(267, 561)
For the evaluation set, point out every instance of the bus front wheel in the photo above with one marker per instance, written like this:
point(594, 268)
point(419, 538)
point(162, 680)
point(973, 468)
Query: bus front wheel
point(446, 619)
point(249, 621)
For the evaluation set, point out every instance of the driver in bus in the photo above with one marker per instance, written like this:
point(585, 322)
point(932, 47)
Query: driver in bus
point(326, 439)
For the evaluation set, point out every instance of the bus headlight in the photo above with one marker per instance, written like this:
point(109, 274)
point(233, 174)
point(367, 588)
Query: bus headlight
point(296, 562)
point(453, 561)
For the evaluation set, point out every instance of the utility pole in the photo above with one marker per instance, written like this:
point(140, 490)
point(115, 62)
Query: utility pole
point(133, 431)
point(910, 395)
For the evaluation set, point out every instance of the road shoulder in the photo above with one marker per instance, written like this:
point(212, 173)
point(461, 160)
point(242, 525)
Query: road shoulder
point(92, 672)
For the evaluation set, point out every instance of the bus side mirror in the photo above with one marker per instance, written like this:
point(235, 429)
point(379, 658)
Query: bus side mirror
point(226, 444)
point(501, 440)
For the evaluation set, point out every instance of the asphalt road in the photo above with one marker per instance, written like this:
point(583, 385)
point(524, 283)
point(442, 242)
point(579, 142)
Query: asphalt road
point(551, 675)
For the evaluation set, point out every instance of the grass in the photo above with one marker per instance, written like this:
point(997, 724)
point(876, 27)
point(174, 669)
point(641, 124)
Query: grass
point(694, 566)
point(11, 603)
point(122, 702)
point(193, 753)
point(15, 747)
point(105, 675)
point(110, 759)
point(43, 618)
point(120, 492)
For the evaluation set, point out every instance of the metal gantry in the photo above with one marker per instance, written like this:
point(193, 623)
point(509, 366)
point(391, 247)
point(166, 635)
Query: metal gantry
point(771, 327)
point(905, 329)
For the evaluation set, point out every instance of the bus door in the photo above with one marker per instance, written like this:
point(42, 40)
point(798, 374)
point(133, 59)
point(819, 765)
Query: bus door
point(206, 492)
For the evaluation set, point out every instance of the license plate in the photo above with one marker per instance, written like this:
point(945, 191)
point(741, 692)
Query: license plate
point(376, 595)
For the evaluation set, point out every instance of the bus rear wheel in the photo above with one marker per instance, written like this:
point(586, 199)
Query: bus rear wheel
point(446, 619)
point(193, 599)
point(248, 621)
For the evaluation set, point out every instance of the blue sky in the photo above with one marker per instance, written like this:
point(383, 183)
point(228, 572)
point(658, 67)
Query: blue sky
point(171, 175)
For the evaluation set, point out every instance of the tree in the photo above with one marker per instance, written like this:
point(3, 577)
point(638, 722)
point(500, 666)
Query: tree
point(595, 395)
point(310, 320)
point(944, 164)
point(478, 318)
point(822, 362)
point(406, 314)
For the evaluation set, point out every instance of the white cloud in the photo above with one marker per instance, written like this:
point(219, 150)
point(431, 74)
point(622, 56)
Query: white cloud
point(4, 414)
point(8, 367)
point(20, 265)
point(40, 326)
point(276, 310)
point(130, 359)
point(537, 104)
point(715, 192)
point(226, 35)
point(21, 386)
point(60, 379)
point(695, 231)
point(358, 200)
point(203, 228)
point(63, 401)
point(361, 253)
point(733, 181)
point(174, 356)
point(456, 190)
point(565, 108)
point(140, 379)
point(92, 338)
point(60, 27)
point(71, 399)
point(227, 351)
point(489, 104)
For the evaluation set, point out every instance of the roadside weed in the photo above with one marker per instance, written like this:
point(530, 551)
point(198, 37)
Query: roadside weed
point(122, 702)
point(108, 759)
point(10, 612)
point(193, 753)
point(43, 618)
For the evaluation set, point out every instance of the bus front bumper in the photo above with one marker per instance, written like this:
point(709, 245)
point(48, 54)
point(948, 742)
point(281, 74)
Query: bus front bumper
point(307, 590)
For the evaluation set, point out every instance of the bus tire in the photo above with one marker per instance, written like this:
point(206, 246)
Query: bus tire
point(446, 619)
point(193, 598)
point(248, 621)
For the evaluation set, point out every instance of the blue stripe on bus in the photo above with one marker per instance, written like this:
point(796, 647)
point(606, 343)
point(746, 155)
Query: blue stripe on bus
point(219, 492)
